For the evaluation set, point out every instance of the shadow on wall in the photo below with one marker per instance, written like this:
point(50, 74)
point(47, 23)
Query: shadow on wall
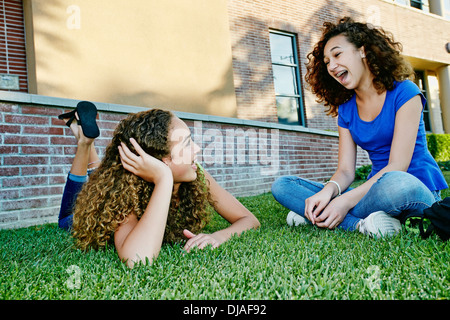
point(253, 77)
point(251, 67)
point(44, 40)
point(210, 101)
point(88, 62)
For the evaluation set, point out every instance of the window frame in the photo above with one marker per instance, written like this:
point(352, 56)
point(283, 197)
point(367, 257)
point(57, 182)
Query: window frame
point(296, 66)
point(417, 4)
point(420, 81)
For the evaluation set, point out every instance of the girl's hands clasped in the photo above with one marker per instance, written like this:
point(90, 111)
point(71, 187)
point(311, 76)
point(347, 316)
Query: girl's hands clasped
point(143, 165)
point(324, 212)
point(333, 214)
point(315, 204)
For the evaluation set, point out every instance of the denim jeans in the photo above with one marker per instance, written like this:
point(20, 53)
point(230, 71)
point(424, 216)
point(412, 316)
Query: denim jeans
point(397, 193)
point(73, 186)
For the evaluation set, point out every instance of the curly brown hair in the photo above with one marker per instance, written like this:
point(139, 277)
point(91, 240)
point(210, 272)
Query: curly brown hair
point(112, 193)
point(383, 56)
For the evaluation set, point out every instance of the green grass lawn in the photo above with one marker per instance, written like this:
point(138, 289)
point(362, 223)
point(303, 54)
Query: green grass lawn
point(274, 262)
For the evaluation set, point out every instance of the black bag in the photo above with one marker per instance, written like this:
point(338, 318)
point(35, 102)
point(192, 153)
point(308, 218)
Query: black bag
point(439, 216)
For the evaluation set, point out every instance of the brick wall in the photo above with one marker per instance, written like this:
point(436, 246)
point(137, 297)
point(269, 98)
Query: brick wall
point(36, 150)
point(12, 42)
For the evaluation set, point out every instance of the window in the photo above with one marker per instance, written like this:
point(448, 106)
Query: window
point(404, 2)
point(13, 63)
point(420, 81)
point(419, 4)
point(447, 9)
point(286, 78)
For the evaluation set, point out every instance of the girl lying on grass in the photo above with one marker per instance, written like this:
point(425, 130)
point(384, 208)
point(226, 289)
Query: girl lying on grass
point(147, 190)
point(358, 72)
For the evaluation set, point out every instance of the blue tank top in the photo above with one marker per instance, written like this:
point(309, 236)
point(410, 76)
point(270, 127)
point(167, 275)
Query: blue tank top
point(376, 136)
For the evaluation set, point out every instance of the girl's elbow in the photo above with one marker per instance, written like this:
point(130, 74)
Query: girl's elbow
point(133, 258)
point(348, 173)
point(130, 263)
point(256, 223)
point(399, 166)
point(251, 222)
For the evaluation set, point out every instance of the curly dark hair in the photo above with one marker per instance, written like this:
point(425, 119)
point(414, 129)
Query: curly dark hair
point(383, 56)
point(112, 192)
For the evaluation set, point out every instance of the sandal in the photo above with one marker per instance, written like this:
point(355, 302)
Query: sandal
point(87, 114)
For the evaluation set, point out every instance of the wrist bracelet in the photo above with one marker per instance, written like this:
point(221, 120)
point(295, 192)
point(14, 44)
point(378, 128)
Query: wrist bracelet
point(90, 170)
point(93, 162)
point(337, 184)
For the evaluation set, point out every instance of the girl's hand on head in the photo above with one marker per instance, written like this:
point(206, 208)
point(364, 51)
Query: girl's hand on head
point(200, 241)
point(143, 165)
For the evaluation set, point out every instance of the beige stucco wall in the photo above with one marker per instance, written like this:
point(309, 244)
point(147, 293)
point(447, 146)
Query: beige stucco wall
point(173, 54)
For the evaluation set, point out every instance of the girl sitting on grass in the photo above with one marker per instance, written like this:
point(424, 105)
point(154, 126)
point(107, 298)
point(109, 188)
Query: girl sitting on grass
point(358, 72)
point(147, 190)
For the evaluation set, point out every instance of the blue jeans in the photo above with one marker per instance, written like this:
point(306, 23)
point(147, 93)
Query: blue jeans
point(397, 193)
point(73, 186)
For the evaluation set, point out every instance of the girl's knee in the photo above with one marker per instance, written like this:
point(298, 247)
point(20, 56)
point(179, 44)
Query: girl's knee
point(401, 182)
point(279, 185)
